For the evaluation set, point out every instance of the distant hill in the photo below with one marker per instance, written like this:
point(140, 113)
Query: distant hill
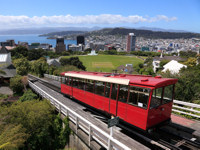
point(44, 30)
point(63, 33)
point(160, 29)
point(144, 33)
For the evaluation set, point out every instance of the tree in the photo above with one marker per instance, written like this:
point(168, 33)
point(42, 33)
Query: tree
point(187, 54)
point(32, 124)
point(62, 131)
point(19, 52)
point(36, 117)
point(12, 136)
point(35, 54)
point(27, 96)
point(39, 66)
point(191, 62)
point(65, 132)
point(88, 50)
point(25, 82)
point(16, 84)
point(72, 61)
point(22, 66)
point(65, 53)
point(65, 68)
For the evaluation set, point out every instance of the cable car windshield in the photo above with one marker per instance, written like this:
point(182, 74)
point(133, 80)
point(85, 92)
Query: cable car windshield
point(162, 96)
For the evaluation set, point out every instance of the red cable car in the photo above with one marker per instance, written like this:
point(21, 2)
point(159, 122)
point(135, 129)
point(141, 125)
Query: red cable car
point(143, 101)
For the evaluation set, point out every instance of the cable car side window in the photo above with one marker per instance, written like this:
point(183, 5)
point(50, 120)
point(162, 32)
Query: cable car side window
point(62, 79)
point(123, 93)
point(114, 91)
point(81, 84)
point(139, 96)
point(156, 97)
point(168, 94)
point(99, 88)
point(69, 81)
point(75, 82)
point(107, 90)
point(89, 86)
point(66, 80)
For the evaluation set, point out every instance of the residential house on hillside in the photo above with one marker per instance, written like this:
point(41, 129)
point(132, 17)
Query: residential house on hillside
point(173, 66)
point(157, 60)
point(7, 70)
point(127, 69)
point(53, 62)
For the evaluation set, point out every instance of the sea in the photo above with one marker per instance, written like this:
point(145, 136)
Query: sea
point(32, 38)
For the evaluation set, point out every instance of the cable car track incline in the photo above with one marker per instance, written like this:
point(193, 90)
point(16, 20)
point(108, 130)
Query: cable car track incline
point(157, 140)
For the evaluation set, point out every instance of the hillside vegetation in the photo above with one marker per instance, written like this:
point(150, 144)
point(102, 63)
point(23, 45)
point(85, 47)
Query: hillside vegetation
point(125, 31)
point(144, 33)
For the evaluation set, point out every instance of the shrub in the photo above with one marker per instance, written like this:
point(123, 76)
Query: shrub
point(16, 84)
point(27, 96)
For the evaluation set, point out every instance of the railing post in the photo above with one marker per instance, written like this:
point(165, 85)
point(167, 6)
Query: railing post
point(76, 125)
point(59, 109)
point(111, 134)
point(67, 113)
point(90, 136)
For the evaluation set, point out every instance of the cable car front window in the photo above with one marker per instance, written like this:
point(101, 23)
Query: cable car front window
point(139, 96)
point(156, 97)
point(168, 94)
point(162, 96)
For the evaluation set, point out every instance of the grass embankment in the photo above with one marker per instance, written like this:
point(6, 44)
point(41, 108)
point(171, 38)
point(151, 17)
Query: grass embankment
point(107, 63)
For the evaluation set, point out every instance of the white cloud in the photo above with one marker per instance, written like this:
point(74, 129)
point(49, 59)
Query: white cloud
point(25, 21)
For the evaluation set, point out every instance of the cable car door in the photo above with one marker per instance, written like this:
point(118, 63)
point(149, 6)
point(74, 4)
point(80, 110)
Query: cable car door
point(122, 101)
point(155, 111)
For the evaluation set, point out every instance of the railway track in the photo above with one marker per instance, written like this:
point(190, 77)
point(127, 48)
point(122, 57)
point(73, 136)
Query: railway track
point(159, 139)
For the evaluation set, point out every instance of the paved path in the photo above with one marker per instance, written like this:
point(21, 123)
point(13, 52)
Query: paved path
point(5, 90)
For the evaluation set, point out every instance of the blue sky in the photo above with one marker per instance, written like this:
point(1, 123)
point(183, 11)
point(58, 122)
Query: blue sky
point(167, 14)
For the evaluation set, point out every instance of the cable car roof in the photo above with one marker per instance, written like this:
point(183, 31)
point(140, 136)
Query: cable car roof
point(99, 78)
point(125, 79)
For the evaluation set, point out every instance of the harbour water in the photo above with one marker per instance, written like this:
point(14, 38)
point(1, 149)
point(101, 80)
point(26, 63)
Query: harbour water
point(32, 38)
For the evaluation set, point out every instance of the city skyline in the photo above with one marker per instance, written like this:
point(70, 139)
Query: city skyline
point(171, 14)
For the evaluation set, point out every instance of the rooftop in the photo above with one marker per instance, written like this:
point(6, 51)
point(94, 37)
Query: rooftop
point(4, 50)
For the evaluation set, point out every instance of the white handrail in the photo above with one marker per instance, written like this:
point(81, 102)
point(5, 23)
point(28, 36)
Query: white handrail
point(182, 108)
point(91, 127)
point(186, 108)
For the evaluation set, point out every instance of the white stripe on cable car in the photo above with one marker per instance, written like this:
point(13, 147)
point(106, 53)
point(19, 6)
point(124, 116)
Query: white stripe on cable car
point(100, 78)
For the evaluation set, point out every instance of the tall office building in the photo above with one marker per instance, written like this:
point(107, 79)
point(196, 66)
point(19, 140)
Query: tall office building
point(80, 40)
point(60, 45)
point(131, 39)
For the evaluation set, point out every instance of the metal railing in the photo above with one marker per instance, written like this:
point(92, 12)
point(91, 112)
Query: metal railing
point(186, 108)
point(178, 106)
point(57, 78)
point(92, 130)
